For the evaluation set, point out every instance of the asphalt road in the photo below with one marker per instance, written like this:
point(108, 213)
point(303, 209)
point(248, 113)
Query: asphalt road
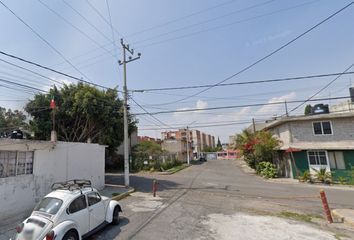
point(191, 203)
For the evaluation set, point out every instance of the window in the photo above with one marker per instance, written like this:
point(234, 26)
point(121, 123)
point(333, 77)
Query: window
point(14, 163)
point(78, 204)
point(336, 160)
point(93, 198)
point(49, 205)
point(317, 157)
point(322, 128)
point(327, 129)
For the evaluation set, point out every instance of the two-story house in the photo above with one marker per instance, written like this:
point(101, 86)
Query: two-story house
point(314, 142)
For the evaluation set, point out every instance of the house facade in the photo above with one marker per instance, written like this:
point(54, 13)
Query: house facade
point(315, 141)
point(29, 168)
point(178, 148)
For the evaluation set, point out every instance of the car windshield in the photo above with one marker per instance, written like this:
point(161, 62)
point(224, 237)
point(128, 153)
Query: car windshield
point(49, 205)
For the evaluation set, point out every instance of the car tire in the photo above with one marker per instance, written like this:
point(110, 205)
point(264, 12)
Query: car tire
point(115, 220)
point(71, 235)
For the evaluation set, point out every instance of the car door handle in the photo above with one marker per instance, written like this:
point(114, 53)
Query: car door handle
point(90, 210)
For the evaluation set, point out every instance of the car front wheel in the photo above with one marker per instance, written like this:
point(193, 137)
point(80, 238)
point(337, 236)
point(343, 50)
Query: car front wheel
point(71, 235)
point(115, 216)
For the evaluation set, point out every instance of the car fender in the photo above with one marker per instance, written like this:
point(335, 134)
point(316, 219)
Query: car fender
point(111, 206)
point(61, 229)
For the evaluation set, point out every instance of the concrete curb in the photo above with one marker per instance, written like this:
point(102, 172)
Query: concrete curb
point(344, 215)
point(244, 167)
point(174, 171)
point(123, 195)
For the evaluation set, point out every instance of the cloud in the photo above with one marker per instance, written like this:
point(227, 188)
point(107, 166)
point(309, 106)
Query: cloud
point(273, 109)
point(199, 118)
point(201, 104)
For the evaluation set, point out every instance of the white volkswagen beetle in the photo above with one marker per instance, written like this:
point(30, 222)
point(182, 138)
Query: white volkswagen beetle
point(72, 211)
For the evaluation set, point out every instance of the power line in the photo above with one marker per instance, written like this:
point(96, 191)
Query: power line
point(181, 18)
point(213, 122)
point(204, 126)
point(21, 85)
point(208, 98)
point(110, 24)
point(20, 79)
point(51, 69)
point(16, 89)
point(150, 121)
point(148, 113)
point(268, 55)
point(205, 21)
point(246, 82)
point(73, 26)
point(227, 25)
point(28, 70)
point(87, 21)
point(323, 88)
point(43, 39)
point(239, 106)
point(103, 18)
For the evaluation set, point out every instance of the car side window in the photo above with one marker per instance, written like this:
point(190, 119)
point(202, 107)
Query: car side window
point(93, 198)
point(78, 204)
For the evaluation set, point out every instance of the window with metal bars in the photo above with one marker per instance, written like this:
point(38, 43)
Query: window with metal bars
point(15, 163)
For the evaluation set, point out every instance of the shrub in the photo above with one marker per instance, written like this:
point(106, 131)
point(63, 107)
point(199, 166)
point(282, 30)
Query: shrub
point(169, 164)
point(323, 176)
point(342, 180)
point(267, 170)
point(306, 176)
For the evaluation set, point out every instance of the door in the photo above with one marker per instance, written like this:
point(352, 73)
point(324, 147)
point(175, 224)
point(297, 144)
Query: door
point(78, 212)
point(318, 160)
point(96, 210)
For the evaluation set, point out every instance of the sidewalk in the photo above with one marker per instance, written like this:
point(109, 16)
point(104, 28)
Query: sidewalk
point(246, 169)
point(7, 227)
point(344, 215)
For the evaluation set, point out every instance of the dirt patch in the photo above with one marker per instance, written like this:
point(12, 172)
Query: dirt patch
point(225, 227)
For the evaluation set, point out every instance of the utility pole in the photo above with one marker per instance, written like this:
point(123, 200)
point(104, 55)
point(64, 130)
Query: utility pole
point(188, 157)
point(253, 125)
point(53, 134)
point(286, 109)
point(125, 48)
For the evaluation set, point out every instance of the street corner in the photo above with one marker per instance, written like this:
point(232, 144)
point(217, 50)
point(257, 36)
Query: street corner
point(255, 227)
point(144, 202)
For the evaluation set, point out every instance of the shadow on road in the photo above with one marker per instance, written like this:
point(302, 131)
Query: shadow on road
point(194, 162)
point(141, 183)
point(111, 231)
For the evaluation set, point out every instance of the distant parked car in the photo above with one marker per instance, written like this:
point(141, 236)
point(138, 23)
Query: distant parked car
point(202, 159)
point(72, 211)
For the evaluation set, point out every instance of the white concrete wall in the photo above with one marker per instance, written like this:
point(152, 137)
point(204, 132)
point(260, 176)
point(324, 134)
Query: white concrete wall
point(52, 163)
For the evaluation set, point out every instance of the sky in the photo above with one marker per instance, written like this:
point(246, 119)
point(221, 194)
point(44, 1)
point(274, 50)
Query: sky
point(182, 43)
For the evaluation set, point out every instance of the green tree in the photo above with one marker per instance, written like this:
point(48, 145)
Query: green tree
point(308, 109)
point(143, 151)
point(11, 120)
point(83, 113)
point(257, 147)
point(265, 146)
point(219, 145)
point(245, 142)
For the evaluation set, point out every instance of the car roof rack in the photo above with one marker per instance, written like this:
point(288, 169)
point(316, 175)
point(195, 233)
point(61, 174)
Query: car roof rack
point(71, 185)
